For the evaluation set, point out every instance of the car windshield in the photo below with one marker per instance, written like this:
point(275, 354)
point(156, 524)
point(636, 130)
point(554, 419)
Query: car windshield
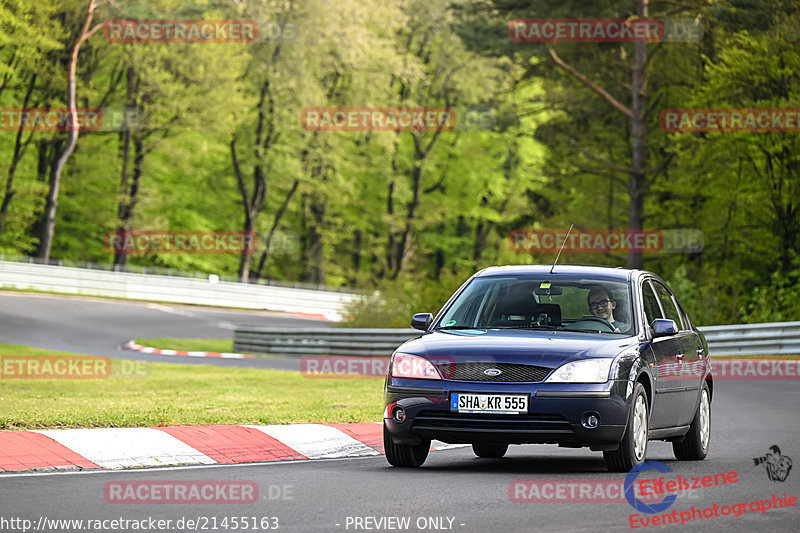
point(542, 302)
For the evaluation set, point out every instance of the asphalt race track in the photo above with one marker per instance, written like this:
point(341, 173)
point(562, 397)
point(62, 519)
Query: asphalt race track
point(454, 491)
point(747, 418)
point(95, 326)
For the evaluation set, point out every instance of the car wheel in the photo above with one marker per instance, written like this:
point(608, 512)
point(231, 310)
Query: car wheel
point(694, 446)
point(404, 455)
point(490, 451)
point(633, 448)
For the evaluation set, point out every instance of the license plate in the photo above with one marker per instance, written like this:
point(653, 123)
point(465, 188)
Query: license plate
point(506, 404)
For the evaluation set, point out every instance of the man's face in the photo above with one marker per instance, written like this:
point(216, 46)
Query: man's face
point(601, 306)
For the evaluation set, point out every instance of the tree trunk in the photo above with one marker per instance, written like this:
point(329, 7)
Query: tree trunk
point(275, 223)
point(246, 256)
point(127, 205)
point(315, 217)
point(481, 234)
point(51, 203)
point(421, 154)
point(637, 178)
point(251, 205)
point(391, 243)
point(19, 152)
point(264, 138)
point(121, 258)
point(357, 244)
point(416, 187)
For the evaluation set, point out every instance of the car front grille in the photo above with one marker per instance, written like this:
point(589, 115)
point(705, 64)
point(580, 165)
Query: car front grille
point(534, 423)
point(509, 372)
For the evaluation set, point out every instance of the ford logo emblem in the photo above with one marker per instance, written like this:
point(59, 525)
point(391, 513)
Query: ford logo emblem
point(492, 372)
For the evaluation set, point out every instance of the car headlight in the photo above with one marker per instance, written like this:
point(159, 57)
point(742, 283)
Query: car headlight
point(413, 366)
point(590, 371)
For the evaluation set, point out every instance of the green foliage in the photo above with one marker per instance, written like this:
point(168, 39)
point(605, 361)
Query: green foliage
point(413, 214)
point(394, 304)
point(777, 302)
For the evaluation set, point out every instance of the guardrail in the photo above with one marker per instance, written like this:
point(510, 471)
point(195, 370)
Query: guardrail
point(320, 341)
point(132, 268)
point(779, 338)
point(172, 289)
point(771, 338)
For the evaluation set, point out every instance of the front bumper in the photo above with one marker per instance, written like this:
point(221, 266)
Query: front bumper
point(555, 411)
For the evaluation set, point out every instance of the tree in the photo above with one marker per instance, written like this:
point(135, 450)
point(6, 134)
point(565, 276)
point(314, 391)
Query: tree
point(51, 205)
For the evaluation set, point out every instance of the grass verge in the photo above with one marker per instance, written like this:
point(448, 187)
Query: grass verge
point(169, 394)
point(188, 345)
point(195, 345)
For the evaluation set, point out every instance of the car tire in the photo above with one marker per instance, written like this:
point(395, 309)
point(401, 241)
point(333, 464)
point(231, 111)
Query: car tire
point(404, 455)
point(694, 446)
point(633, 448)
point(490, 451)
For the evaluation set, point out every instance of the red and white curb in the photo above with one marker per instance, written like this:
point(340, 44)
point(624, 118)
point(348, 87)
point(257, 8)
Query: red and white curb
point(317, 316)
point(116, 448)
point(131, 345)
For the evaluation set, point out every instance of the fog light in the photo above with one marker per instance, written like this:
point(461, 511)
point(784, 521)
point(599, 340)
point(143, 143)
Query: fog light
point(590, 420)
point(399, 415)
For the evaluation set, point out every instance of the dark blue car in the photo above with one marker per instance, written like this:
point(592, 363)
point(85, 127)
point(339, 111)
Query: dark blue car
point(580, 356)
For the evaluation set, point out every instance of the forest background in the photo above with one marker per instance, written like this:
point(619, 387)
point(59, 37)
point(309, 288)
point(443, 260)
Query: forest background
point(553, 134)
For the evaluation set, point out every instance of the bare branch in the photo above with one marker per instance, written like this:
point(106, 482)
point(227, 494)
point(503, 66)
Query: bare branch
point(594, 88)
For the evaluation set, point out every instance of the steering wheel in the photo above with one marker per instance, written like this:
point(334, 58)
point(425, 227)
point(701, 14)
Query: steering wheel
point(579, 324)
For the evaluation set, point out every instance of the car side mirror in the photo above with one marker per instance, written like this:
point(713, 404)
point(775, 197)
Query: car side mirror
point(421, 321)
point(663, 327)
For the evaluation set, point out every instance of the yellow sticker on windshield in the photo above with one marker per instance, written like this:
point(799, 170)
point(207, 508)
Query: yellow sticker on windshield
point(544, 286)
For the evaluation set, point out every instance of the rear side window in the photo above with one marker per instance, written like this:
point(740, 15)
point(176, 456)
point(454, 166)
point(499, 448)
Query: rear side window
point(668, 305)
point(686, 323)
point(651, 309)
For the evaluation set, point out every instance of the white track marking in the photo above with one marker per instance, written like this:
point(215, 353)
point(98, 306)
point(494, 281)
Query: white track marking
point(182, 467)
point(172, 310)
point(439, 445)
point(317, 441)
point(127, 447)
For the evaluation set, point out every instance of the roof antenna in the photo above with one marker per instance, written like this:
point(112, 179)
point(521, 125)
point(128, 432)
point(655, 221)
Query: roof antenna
point(562, 247)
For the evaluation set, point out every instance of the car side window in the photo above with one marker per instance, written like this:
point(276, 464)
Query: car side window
point(668, 304)
point(686, 322)
point(651, 309)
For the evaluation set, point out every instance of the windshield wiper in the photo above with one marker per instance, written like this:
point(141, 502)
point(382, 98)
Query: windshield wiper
point(455, 326)
point(534, 326)
point(587, 330)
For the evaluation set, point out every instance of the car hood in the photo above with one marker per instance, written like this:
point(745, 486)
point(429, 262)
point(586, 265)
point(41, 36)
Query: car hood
point(542, 348)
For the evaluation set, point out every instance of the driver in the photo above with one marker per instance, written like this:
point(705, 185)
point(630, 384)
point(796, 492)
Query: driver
point(602, 305)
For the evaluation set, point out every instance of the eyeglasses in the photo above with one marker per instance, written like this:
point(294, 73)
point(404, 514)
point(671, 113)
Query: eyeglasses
point(601, 303)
